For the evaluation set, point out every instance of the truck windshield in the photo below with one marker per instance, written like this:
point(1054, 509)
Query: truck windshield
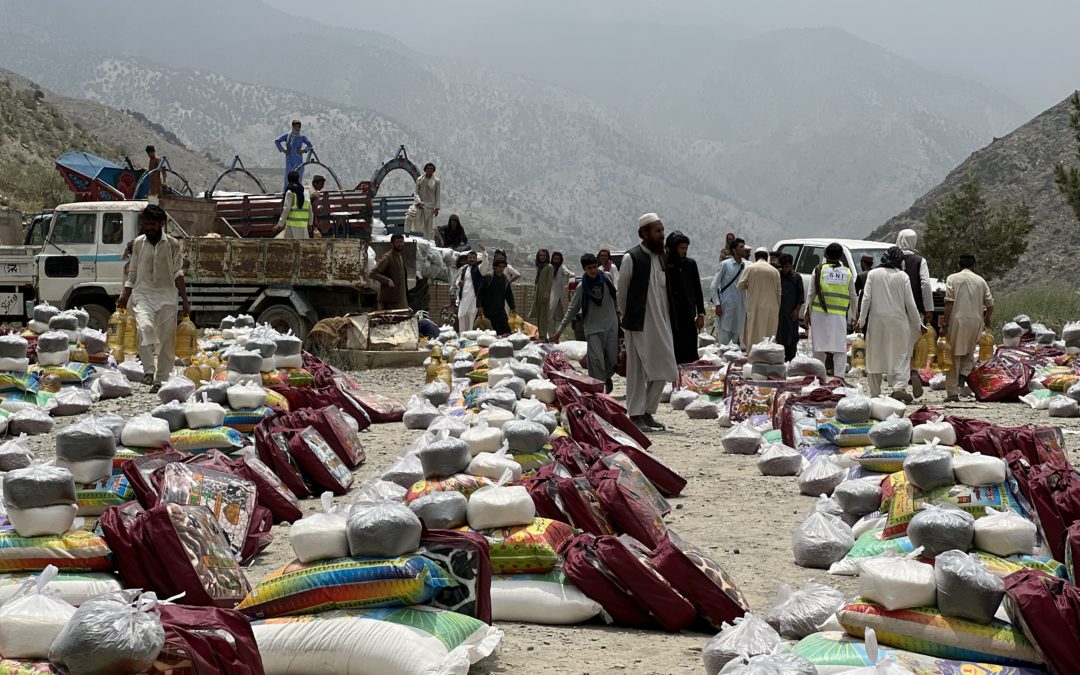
point(73, 228)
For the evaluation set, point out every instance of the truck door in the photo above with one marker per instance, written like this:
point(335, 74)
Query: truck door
point(110, 250)
point(70, 257)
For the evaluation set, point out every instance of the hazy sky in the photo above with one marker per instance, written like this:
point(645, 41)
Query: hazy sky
point(1027, 49)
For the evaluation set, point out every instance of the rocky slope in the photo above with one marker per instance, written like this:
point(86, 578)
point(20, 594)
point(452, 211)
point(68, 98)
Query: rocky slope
point(1018, 166)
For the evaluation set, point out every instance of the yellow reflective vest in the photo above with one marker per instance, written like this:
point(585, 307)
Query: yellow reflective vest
point(299, 215)
point(835, 285)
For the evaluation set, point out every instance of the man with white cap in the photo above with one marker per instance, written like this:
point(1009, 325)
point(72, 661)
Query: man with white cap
point(645, 309)
point(761, 282)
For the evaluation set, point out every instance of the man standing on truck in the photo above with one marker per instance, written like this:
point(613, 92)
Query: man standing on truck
point(157, 180)
point(919, 275)
point(390, 273)
point(644, 305)
point(154, 279)
point(426, 201)
point(295, 220)
point(292, 145)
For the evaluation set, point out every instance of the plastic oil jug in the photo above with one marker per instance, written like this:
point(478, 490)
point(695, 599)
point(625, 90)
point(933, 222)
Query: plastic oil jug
point(115, 331)
point(187, 341)
point(130, 334)
point(986, 346)
point(858, 351)
point(516, 322)
point(922, 352)
point(930, 340)
point(944, 353)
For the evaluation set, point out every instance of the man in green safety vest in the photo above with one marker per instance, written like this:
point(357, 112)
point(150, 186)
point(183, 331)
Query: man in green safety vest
point(832, 299)
point(295, 221)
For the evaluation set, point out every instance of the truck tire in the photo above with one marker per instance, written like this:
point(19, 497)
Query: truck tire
point(284, 318)
point(99, 316)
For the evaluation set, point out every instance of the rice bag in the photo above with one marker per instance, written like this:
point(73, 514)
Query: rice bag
point(930, 467)
point(13, 346)
point(525, 371)
point(702, 409)
point(1063, 406)
point(820, 477)
point(32, 618)
point(322, 535)
point(176, 388)
point(145, 431)
point(70, 401)
point(111, 385)
point(53, 342)
point(966, 589)
point(1003, 533)
point(496, 416)
point(173, 413)
point(16, 454)
point(441, 510)
point(493, 464)
point(897, 583)
point(86, 448)
point(211, 438)
point(778, 459)
point(524, 436)
point(115, 423)
point(114, 633)
point(132, 370)
point(241, 396)
point(884, 407)
point(768, 352)
point(741, 439)
point(821, 540)
point(804, 365)
point(93, 341)
point(245, 362)
point(514, 384)
point(855, 408)
point(287, 345)
point(217, 392)
point(499, 398)
point(541, 390)
point(405, 471)
point(38, 486)
point(203, 414)
point(437, 393)
point(382, 529)
point(858, 497)
point(682, 398)
point(30, 421)
point(483, 438)
point(937, 428)
point(419, 413)
point(444, 457)
point(747, 636)
point(796, 614)
point(978, 469)
point(452, 426)
point(894, 432)
point(500, 505)
point(938, 529)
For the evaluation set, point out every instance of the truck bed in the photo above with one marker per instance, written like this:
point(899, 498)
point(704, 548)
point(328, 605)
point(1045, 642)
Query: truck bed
point(297, 262)
point(17, 265)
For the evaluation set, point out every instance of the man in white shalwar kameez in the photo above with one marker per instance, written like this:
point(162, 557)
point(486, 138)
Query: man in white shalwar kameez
point(467, 283)
point(646, 320)
point(892, 324)
point(730, 302)
point(154, 280)
point(426, 203)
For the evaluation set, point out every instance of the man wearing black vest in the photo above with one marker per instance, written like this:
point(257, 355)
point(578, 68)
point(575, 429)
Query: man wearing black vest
point(646, 321)
point(919, 275)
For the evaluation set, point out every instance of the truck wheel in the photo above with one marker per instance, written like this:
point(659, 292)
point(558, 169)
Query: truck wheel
point(99, 317)
point(284, 318)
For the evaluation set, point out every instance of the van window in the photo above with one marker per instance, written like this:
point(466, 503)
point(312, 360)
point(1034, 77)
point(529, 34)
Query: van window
point(73, 228)
point(811, 256)
point(112, 228)
point(875, 253)
point(790, 249)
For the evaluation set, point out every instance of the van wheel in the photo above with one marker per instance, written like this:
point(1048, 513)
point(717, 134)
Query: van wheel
point(99, 317)
point(284, 318)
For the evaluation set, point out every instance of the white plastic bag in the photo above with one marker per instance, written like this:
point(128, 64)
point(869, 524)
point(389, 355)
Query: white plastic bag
point(145, 431)
point(855, 408)
point(859, 496)
point(203, 414)
point(884, 407)
point(176, 388)
point(820, 477)
point(501, 505)
point(779, 460)
point(132, 370)
point(747, 636)
point(529, 408)
point(821, 540)
point(86, 448)
point(494, 464)
point(767, 352)
point(741, 439)
point(441, 510)
point(419, 413)
point(976, 469)
point(524, 436)
point(1005, 533)
point(32, 618)
point(115, 633)
point(246, 396)
point(111, 384)
point(70, 401)
point(937, 529)
point(895, 432)
point(30, 421)
point(541, 390)
point(897, 583)
point(796, 614)
point(929, 467)
point(382, 529)
point(483, 438)
point(937, 428)
point(444, 457)
point(1063, 406)
point(681, 398)
point(549, 599)
point(320, 536)
point(406, 471)
point(16, 454)
point(702, 409)
point(965, 588)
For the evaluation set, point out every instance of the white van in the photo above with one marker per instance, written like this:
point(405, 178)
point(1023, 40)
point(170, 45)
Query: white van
point(807, 253)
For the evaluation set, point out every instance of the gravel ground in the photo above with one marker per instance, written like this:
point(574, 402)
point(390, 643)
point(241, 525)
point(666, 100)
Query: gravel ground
point(743, 519)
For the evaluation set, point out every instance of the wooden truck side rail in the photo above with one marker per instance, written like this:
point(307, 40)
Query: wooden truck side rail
point(295, 262)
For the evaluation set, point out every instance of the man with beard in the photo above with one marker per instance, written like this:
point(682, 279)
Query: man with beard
point(467, 285)
point(645, 308)
point(452, 235)
point(155, 277)
point(541, 309)
point(761, 282)
point(730, 301)
point(921, 289)
point(496, 296)
point(595, 299)
point(687, 300)
point(792, 297)
point(426, 201)
point(560, 289)
point(390, 273)
point(603, 257)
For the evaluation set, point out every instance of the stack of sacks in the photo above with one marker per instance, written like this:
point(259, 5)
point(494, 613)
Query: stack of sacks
point(244, 366)
point(66, 323)
point(851, 425)
point(86, 449)
point(43, 313)
point(264, 345)
point(95, 343)
point(40, 500)
point(767, 360)
point(53, 348)
point(13, 353)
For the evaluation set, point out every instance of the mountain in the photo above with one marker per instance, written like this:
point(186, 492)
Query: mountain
point(1018, 166)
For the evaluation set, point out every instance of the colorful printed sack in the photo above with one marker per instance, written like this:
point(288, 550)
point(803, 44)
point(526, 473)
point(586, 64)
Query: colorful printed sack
point(74, 551)
point(527, 548)
point(93, 499)
point(846, 435)
point(212, 438)
point(1002, 378)
point(244, 421)
point(462, 482)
